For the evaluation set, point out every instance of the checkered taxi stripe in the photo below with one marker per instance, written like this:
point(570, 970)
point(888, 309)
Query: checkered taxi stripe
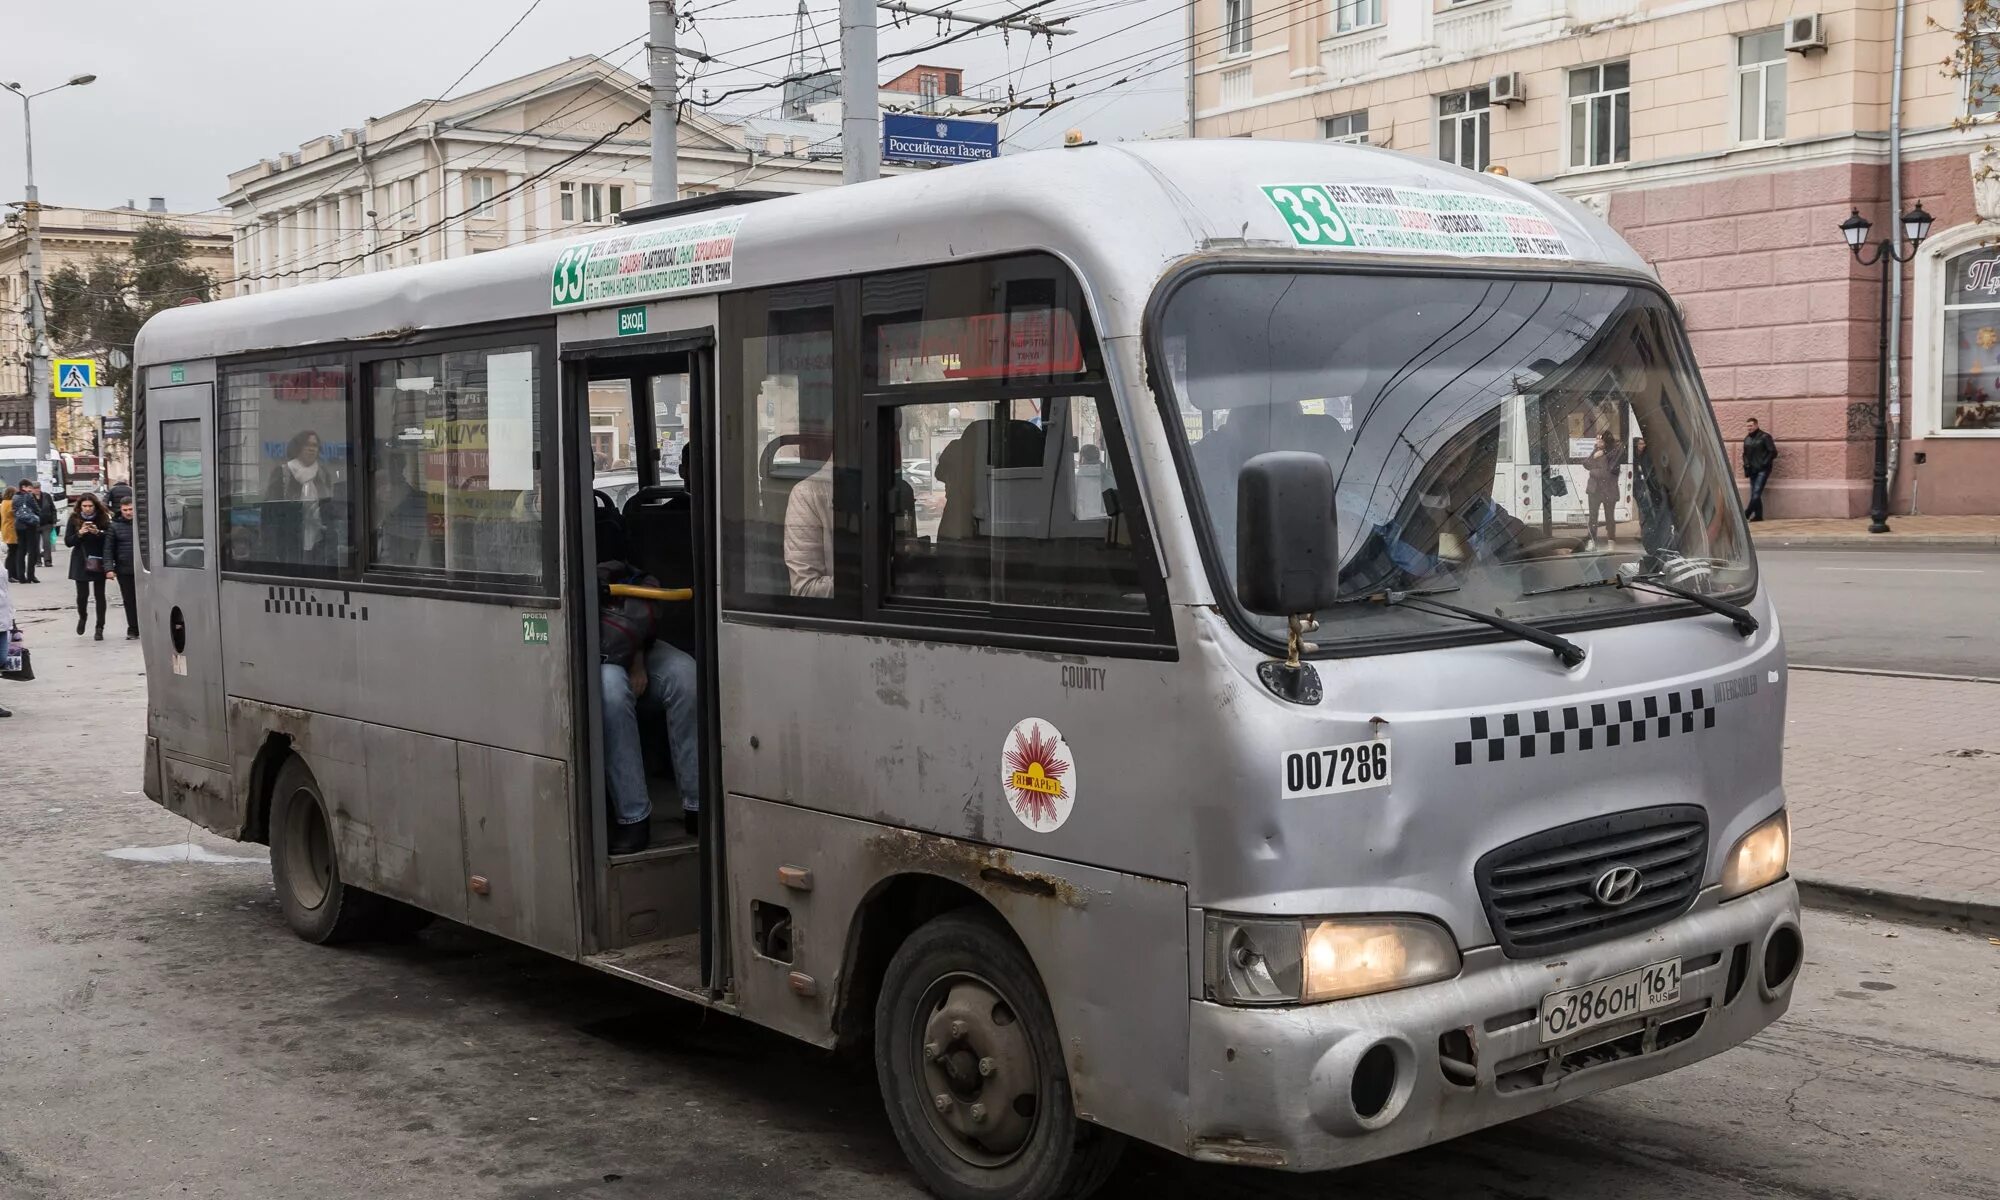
point(1580, 727)
point(304, 602)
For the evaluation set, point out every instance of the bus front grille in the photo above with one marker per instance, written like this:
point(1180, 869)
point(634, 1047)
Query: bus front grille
point(1541, 892)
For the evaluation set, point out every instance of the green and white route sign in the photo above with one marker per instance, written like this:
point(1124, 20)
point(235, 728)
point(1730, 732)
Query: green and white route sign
point(1410, 220)
point(646, 261)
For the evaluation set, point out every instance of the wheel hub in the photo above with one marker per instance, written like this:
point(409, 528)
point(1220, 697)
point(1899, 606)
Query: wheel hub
point(977, 1066)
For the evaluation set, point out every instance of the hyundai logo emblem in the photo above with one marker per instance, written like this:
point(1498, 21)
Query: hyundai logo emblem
point(1617, 886)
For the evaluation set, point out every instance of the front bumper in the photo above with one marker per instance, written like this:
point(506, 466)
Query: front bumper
point(1279, 1088)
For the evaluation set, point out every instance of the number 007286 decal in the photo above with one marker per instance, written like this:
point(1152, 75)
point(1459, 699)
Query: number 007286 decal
point(1331, 769)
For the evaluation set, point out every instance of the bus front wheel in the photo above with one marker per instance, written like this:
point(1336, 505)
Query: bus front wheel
point(971, 1070)
point(304, 866)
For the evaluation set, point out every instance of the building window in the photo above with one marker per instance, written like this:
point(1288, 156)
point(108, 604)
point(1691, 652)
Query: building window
point(1356, 14)
point(1349, 128)
point(568, 195)
point(1979, 58)
point(1464, 129)
point(1236, 86)
point(1971, 395)
point(284, 450)
point(591, 196)
point(1760, 86)
point(478, 192)
point(1600, 115)
point(617, 199)
point(455, 466)
point(1236, 26)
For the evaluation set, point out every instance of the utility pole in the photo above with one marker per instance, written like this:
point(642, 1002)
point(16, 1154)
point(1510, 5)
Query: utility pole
point(860, 127)
point(38, 339)
point(663, 73)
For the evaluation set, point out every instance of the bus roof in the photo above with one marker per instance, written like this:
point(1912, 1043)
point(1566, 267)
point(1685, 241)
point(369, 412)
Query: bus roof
point(1121, 213)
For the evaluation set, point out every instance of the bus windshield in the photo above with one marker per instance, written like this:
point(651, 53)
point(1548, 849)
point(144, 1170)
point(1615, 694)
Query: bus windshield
point(1510, 440)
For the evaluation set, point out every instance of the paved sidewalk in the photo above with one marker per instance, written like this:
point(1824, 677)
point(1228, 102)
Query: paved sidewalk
point(1963, 533)
point(1894, 787)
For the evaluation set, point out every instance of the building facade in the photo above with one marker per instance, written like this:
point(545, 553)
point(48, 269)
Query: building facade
point(559, 151)
point(1726, 140)
point(72, 237)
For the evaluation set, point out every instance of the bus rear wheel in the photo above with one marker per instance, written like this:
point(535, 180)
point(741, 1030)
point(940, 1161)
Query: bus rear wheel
point(304, 866)
point(971, 1070)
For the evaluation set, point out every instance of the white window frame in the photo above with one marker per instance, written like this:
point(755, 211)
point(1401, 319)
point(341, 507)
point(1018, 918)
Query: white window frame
point(1570, 103)
point(1990, 31)
point(566, 201)
point(1349, 137)
point(1350, 16)
point(478, 192)
point(1481, 119)
point(1760, 72)
point(1928, 358)
point(1237, 34)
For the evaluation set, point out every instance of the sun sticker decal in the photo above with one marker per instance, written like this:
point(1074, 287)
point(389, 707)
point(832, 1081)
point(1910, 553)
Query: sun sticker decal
point(1038, 773)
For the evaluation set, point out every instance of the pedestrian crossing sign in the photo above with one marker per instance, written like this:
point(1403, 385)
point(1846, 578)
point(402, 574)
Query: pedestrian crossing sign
point(72, 375)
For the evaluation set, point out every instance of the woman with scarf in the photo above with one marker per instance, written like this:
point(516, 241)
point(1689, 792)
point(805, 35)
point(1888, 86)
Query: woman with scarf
point(89, 525)
point(300, 488)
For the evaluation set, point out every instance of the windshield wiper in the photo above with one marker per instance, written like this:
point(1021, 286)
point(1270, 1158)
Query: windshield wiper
point(1567, 651)
point(1739, 616)
point(1746, 624)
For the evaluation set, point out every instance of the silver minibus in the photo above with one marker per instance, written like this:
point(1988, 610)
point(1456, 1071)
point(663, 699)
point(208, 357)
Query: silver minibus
point(1069, 636)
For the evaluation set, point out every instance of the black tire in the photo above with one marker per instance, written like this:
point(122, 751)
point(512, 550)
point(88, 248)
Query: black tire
point(317, 905)
point(955, 1089)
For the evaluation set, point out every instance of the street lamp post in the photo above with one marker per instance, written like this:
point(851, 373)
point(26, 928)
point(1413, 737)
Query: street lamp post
point(1916, 227)
point(31, 220)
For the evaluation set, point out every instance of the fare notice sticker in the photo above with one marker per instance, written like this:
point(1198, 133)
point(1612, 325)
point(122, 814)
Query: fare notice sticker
point(1330, 769)
point(1408, 220)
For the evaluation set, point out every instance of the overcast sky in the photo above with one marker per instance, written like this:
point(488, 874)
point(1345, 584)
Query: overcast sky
point(190, 90)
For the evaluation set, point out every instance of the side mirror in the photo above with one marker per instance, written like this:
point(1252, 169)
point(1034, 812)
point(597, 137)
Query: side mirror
point(1286, 563)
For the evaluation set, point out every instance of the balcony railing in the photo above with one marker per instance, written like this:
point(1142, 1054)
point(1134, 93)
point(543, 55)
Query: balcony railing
point(1469, 33)
point(1351, 55)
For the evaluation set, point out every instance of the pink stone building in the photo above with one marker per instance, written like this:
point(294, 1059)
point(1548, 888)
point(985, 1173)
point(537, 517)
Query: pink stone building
point(1727, 140)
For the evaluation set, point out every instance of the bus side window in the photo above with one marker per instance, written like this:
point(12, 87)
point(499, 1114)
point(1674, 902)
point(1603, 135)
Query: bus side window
point(790, 513)
point(286, 500)
point(1012, 506)
point(455, 471)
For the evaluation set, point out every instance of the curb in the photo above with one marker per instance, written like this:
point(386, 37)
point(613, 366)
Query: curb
point(1884, 541)
point(1959, 910)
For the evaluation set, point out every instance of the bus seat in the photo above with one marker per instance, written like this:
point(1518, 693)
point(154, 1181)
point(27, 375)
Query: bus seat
point(610, 529)
point(659, 539)
point(994, 488)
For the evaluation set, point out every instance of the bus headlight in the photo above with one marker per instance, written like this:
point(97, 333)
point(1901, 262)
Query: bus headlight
point(1252, 960)
point(1760, 857)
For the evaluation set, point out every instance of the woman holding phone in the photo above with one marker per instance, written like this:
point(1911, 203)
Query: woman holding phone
point(89, 525)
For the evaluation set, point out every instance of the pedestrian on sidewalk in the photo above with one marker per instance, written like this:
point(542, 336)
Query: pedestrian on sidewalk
point(6, 631)
point(47, 504)
point(1760, 454)
point(122, 562)
point(27, 529)
point(8, 536)
point(1601, 488)
point(89, 531)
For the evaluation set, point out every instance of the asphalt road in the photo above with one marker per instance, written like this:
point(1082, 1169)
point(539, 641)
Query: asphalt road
point(163, 1035)
point(1894, 610)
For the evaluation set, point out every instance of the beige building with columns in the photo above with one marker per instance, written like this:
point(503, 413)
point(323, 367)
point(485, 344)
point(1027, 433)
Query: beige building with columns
point(516, 162)
point(1726, 139)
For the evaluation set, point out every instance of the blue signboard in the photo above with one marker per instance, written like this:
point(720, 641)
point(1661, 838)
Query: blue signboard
point(914, 138)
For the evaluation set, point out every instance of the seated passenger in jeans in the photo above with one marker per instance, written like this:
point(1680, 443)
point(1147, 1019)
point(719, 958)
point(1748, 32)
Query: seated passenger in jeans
point(638, 668)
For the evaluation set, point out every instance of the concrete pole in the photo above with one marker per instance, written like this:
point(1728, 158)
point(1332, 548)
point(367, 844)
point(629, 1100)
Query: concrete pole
point(38, 337)
point(860, 103)
point(662, 74)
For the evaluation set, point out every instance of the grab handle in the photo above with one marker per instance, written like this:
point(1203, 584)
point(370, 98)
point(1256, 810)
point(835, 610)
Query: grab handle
point(651, 593)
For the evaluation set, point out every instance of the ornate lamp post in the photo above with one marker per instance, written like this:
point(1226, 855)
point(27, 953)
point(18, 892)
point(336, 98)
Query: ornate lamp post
point(1916, 227)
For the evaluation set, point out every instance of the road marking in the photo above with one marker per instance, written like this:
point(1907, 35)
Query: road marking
point(1911, 570)
point(1831, 670)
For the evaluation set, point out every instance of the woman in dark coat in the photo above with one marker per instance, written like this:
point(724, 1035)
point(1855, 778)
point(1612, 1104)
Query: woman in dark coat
point(89, 525)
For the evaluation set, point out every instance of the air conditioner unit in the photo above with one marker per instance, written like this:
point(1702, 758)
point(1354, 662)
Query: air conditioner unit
point(1506, 89)
point(1805, 34)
